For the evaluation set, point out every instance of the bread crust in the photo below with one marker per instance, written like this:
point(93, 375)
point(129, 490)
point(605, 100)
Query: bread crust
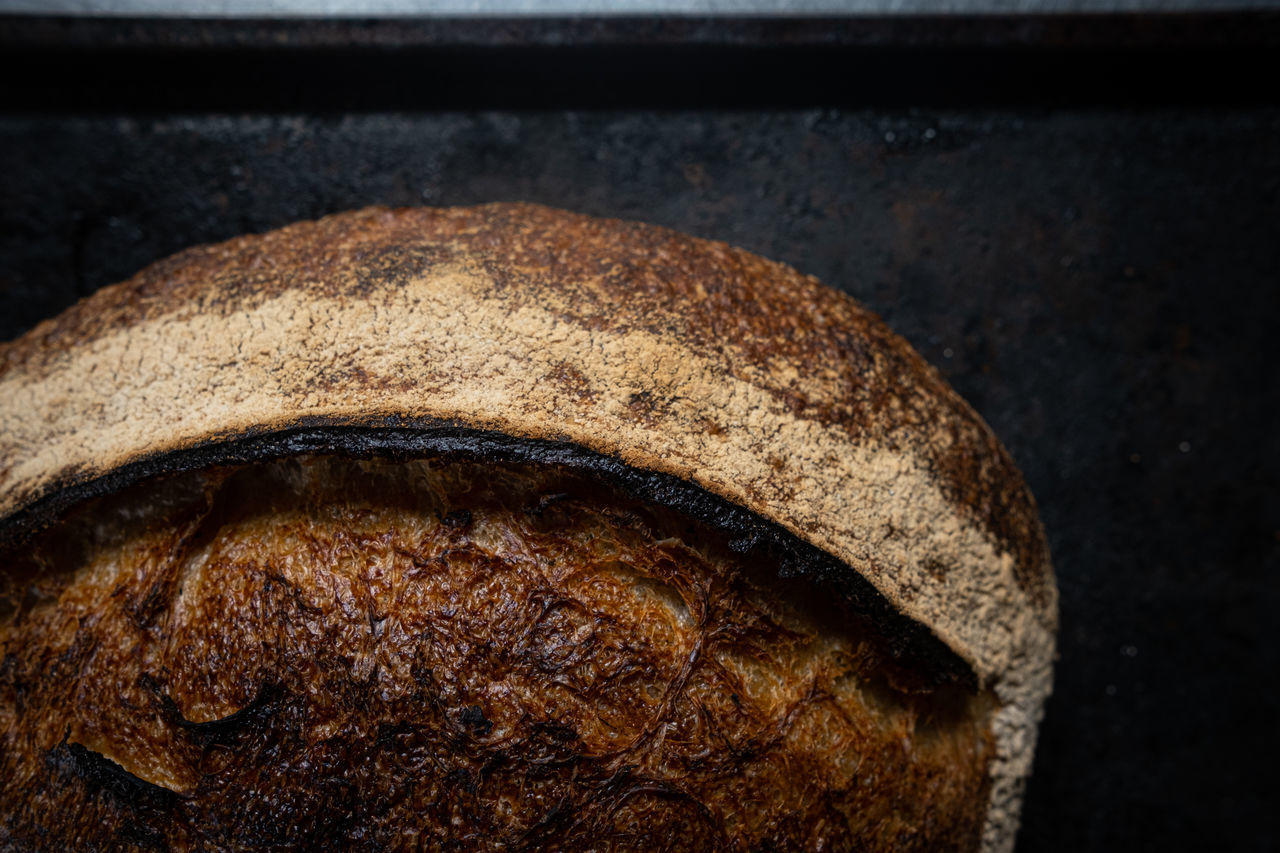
point(502, 656)
point(670, 354)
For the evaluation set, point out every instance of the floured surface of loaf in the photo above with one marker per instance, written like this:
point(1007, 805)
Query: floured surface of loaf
point(395, 655)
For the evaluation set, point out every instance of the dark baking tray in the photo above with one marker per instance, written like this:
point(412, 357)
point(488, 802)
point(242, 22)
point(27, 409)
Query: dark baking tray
point(1077, 218)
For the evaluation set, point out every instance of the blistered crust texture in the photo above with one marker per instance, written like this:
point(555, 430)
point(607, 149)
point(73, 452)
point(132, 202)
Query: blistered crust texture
point(386, 655)
point(672, 354)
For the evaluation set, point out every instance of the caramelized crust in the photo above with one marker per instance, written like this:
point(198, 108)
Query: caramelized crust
point(680, 360)
point(405, 655)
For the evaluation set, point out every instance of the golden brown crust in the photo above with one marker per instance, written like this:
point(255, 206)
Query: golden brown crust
point(671, 354)
point(497, 656)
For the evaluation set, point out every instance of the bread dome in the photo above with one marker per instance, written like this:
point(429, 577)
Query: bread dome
point(504, 527)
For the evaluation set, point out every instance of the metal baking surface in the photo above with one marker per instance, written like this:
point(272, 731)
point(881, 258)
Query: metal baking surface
point(597, 8)
point(1073, 218)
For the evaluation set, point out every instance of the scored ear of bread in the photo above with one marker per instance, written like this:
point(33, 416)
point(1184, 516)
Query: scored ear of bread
point(689, 359)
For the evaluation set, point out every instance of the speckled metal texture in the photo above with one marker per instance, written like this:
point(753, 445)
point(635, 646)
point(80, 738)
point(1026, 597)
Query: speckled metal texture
point(1084, 244)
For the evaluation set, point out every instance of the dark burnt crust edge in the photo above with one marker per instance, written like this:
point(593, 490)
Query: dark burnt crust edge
point(393, 438)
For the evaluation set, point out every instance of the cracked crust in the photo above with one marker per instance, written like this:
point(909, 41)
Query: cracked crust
point(498, 656)
point(681, 357)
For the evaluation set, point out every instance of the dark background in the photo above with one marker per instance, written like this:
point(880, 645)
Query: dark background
point(1076, 219)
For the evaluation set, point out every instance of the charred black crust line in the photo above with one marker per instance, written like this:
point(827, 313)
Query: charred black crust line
point(748, 532)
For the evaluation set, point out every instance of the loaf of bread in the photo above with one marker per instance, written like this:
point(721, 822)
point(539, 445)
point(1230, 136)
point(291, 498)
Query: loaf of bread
point(504, 528)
